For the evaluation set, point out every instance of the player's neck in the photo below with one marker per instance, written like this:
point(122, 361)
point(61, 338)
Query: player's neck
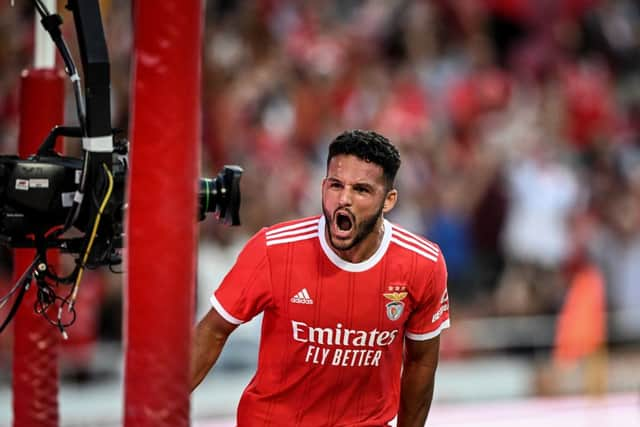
point(365, 248)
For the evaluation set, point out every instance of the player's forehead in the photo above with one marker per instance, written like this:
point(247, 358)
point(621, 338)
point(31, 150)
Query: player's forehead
point(350, 168)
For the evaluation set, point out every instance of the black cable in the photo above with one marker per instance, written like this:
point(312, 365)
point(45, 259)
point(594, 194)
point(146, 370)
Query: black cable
point(23, 283)
point(41, 308)
point(102, 188)
point(51, 24)
point(6, 298)
point(65, 280)
point(46, 298)
point(14, 308)
point(115, 271)
point(42, 8)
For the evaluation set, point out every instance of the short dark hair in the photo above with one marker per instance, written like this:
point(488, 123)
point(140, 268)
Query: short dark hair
point(369, 146)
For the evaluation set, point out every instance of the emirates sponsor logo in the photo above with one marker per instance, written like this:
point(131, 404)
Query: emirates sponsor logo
point(324, 344)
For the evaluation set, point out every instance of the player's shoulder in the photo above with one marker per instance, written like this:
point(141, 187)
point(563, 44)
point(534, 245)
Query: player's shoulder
point(412, 242)
point(296, 230)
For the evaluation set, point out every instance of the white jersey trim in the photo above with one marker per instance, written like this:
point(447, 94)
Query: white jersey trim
point(281, 234)
point(423, 337)
point(414, 249)
point(224, 313)
point(415, 240)
point(420, 239)
point(350, 266)
point(292, 226)
point(291, 239)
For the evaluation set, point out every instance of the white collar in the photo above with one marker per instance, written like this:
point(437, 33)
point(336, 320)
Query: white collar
point(350, 266)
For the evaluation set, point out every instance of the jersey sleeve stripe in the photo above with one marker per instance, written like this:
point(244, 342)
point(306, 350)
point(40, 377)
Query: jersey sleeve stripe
point(291, 239)
point(224, 313)
point(427, 255)
point(417, 238)
point(416, 242)
point(423, 337)
point(292, 226)
point(292, 232)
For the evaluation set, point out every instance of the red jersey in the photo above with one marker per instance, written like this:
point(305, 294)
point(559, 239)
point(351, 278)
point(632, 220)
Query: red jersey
point(332, 332)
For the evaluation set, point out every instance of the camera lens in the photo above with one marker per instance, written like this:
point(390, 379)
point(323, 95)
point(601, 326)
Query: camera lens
point(221, 195)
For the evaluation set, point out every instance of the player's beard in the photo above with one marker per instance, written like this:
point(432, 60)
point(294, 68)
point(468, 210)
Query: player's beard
point(363, 229)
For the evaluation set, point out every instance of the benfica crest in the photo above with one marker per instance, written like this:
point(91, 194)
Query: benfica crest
point(396, 306)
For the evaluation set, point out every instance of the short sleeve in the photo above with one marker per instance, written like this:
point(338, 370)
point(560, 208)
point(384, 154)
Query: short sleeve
point(432, 314)
point(246, 289)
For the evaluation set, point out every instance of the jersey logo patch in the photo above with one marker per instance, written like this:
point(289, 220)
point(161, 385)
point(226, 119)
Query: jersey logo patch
point(395, 309)
point(302, 297)
point(397, 292)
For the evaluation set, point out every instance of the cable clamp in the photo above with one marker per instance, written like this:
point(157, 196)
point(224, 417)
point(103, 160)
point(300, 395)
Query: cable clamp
point(98, 144)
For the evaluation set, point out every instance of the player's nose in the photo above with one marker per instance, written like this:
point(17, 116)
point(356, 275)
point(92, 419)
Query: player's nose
point(345, 197)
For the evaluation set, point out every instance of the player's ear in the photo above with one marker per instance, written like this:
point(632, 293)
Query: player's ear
point(390, 200)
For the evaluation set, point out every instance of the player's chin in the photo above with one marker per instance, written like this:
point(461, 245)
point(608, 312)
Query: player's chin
point(341, 243)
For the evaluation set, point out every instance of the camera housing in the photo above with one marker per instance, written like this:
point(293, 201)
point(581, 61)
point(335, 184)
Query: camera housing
point(37, 194)
point(77, 204)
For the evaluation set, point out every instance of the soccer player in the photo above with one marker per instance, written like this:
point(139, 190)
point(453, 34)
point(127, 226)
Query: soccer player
point(353, 305)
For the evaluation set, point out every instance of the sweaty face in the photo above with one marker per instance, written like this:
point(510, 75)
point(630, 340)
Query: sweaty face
point(353, 200)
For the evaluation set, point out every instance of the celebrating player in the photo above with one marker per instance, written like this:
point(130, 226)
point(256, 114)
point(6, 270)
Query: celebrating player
point(353, 305)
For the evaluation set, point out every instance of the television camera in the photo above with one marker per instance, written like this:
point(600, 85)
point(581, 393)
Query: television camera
point(77, 205)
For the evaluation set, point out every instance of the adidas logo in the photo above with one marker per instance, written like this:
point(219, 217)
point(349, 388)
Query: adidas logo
point(302, 297)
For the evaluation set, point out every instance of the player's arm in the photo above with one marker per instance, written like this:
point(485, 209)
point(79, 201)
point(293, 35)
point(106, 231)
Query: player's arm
point(209, 338)
point(244, 292)
point(418, 377)
point(421, 350)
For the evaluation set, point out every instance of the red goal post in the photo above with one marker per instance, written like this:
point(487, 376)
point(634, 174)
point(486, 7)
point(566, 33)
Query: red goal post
point(161, 225)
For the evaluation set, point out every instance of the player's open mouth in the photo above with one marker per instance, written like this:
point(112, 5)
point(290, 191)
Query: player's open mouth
point(343, 224)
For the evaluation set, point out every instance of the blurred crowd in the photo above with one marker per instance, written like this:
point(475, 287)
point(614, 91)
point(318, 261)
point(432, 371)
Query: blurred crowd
point(518, 123)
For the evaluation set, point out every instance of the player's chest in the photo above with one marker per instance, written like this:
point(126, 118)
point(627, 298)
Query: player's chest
point(375, 299)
